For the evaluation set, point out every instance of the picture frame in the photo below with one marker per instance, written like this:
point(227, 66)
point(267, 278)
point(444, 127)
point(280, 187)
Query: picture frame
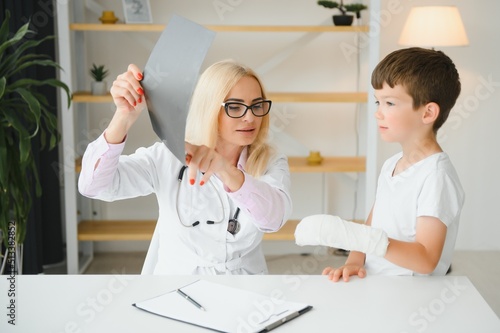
point(137, 11)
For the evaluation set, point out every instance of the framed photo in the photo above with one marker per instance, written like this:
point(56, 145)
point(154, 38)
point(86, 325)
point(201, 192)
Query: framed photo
point(137, 11)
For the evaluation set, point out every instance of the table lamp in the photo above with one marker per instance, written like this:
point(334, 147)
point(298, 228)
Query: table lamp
point(432, 26)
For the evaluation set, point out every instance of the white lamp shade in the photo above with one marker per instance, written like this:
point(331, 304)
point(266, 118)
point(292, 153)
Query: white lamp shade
point(434, 26)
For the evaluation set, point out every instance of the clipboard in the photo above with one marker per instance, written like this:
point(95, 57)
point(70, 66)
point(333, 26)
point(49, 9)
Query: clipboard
point(226, 309)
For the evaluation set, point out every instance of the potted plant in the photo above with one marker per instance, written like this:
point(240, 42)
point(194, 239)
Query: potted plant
point(98, 86)
point(24, 115)
point(344, 19)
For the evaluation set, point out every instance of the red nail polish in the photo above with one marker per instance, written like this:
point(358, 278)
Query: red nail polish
point(139, 76)
point(139, 100)
point(202, 183)
point(135, 103)
point(191, 181)
point(140, 91)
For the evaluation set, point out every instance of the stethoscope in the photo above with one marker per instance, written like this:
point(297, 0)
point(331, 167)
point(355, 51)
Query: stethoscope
point(233, 225)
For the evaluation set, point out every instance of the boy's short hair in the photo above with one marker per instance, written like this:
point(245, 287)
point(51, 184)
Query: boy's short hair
point(427, 76)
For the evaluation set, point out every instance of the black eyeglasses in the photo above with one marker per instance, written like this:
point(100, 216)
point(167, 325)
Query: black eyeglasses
point(238, 110)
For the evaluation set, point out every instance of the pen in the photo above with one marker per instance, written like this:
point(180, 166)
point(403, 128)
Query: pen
point(186, 296)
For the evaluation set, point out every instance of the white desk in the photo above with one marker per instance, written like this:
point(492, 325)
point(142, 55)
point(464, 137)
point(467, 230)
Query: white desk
point(102, 303)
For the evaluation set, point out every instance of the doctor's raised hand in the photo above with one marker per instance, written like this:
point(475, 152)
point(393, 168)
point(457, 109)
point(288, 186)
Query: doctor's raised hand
point(215, 206)
point(128, 97)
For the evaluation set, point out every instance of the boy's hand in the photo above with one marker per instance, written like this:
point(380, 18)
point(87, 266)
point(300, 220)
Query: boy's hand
point(329, 230)
point(345, 271)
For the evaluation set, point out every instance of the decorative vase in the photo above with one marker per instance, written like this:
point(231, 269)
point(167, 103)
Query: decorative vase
point(314, 158)
point(108, 17)
point(343, 20)
point(98, 88)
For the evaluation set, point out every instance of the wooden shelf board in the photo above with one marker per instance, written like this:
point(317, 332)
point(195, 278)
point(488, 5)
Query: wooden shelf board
point(329, 164)
point(286, 233)
point(323, 97)
point(286, 28)
point(114, 230)
point(87, 97)
point(116, 27)
point(277, 97)
point(217, 28)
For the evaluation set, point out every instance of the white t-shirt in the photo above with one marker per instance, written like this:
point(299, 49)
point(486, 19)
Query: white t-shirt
point(430, 187)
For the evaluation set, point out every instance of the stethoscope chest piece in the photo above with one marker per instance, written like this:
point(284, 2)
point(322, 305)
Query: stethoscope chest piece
point(233, 226)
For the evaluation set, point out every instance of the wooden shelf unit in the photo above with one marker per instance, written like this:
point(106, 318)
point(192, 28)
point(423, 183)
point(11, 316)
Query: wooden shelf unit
point(113, 230)
point(120, 27)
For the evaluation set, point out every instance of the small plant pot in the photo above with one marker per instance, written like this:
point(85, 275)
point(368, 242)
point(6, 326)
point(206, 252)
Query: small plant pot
point(98, 88)
point(343, 20)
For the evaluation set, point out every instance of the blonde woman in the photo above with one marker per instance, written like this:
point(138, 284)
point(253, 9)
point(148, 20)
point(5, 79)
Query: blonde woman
point(214, 209)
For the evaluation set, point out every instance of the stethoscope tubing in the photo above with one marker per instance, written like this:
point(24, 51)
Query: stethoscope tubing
point(194, 224)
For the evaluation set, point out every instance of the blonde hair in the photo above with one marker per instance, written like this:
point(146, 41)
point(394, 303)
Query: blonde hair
point(202, 127)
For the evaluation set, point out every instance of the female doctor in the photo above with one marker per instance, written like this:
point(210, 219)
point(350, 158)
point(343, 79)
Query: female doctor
point(213, 210)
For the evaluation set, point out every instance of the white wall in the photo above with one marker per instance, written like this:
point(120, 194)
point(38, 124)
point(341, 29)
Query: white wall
point(320, 65)
point(471, 136)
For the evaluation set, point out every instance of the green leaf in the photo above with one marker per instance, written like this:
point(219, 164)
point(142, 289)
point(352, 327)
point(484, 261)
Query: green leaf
point(51, 125)
point(21, 200)
point(27, 64)
point(3, 83)
point(4, 215)
point(98, 73)
point(33, 103)
point(4, 161)
point(41, 98)
point(59, 84)
point(25, 83)
point(23, 136)
point(17, 37)
point(38, 187)
point(4, 30)
point(16, 57)
point(15, 121)
point(24, 149)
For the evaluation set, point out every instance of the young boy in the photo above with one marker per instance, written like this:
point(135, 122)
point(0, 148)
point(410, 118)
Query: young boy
point(413, 224)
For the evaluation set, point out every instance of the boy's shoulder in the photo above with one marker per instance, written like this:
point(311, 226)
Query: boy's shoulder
point(439, 163)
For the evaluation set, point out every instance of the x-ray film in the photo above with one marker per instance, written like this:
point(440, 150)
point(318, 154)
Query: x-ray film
point(170, 76)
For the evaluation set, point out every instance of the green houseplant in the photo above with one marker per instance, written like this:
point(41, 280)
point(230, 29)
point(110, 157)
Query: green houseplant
point(24, 115)
point(344, 19)
point(98, 86)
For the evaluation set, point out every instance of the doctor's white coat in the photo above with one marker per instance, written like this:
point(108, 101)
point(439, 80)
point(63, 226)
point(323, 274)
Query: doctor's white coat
point(176, 246)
